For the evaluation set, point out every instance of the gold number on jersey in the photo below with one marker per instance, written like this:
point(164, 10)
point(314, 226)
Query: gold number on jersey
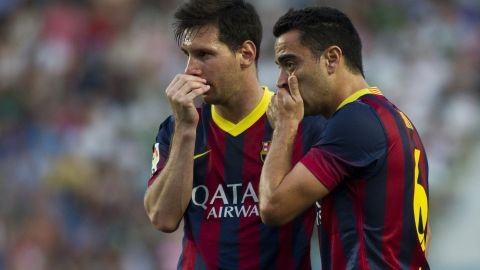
point(420, 204)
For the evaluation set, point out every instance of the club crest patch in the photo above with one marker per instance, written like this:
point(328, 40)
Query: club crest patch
point(155, 158)
point(265, 149)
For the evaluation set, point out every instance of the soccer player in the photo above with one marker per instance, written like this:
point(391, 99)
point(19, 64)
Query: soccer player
point(369, 169)
point(207, 161)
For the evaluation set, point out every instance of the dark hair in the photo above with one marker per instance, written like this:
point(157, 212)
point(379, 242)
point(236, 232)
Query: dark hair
point(237, 21)
point(322, 27)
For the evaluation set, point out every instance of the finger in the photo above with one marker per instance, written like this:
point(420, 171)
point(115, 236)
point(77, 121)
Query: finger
point(173, 82)
point(270, 117)
point(271, 110)
point(196, 92)
point(189, 86)
point(181, 79)
point(293, 85)
point(281, 92)
point(273, 103)
point(190, 96)
point(179, 93)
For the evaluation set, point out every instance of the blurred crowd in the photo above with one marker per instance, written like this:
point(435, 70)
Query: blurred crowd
point(81, 98)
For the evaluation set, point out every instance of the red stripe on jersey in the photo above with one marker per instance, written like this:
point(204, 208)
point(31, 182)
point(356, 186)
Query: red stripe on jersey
point(284, 257)
point(330, 225)
point(392, 231)
point(358, 208)
point(249, 231)
point(189, 253)
point(210, 229)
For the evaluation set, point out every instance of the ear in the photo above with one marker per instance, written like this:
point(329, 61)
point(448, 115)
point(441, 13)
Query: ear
point(247, 53)
point(333, 56)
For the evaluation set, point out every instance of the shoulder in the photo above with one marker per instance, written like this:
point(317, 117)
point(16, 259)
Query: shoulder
point(165, 130)
point(355, 128)
point(356, 119)
point(167, 124)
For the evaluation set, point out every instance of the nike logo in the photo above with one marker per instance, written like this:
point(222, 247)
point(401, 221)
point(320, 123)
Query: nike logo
point(201, 154)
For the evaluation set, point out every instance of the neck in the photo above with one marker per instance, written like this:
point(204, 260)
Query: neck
point(241, 103)
point(346, 86)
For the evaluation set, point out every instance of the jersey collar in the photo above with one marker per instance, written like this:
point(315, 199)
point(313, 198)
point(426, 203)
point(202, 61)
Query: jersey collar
point(248, 121)
point(358, 94)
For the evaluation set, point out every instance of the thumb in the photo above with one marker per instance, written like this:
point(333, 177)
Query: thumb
point(293, 86)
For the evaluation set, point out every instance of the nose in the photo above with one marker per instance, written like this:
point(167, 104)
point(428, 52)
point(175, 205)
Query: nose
point(282, 81)
point(193, 67)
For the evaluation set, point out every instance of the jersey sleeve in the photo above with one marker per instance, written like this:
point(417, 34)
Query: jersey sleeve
point(161, 148)
point(353, 142)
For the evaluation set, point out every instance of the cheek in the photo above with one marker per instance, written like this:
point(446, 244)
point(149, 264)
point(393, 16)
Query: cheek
point(306, 87)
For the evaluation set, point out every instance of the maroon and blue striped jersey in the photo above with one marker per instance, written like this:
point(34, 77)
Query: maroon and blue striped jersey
point(222, 225)
point(372, 161)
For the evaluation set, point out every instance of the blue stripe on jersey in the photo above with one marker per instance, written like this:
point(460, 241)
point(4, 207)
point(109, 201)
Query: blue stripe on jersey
point(229, 227)
point(345, 214)
point(200, 262)
point(268, 247)
point(374, 221)
point(325, 250)
point(309, 126)
point(299, 241)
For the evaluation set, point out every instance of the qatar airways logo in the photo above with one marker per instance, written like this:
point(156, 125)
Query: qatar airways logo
point(233, 206)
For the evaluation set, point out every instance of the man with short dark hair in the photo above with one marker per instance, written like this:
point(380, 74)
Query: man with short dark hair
point(207, 161)
point(369, 170)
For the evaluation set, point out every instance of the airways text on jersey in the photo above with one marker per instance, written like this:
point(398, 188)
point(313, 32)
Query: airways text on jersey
point(226, 201)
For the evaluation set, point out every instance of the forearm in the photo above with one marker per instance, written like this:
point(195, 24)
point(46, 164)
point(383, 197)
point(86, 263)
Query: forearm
point(168, 197)
point(277, 165)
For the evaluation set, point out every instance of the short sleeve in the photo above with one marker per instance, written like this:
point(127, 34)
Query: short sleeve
point(161, 148)
point(352, 143)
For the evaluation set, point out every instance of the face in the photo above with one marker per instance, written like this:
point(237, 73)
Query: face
point(212, 60)
point(294, 58)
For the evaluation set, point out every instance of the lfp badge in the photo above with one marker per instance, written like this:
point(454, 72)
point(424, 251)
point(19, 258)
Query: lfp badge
point(265, 149)
point(155, 158)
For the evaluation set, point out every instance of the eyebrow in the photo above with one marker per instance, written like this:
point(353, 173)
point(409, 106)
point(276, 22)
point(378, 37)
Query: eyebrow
point(197, 50)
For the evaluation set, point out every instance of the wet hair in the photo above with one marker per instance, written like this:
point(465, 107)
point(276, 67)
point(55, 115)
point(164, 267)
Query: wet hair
point(321, 27)
point(237, 21)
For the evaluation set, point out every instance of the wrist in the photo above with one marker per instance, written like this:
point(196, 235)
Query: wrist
point(290, 126)
point(186, 131)
point(286, 132)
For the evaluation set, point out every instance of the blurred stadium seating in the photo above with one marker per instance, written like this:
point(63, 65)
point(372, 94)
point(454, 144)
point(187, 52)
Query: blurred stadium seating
point(81, 98)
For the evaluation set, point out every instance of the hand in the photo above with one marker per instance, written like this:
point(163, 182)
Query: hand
point(286, 108)
point(180, 93)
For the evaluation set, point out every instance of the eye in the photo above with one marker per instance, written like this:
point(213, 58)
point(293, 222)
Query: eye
point(290, 65)
point(203, 55)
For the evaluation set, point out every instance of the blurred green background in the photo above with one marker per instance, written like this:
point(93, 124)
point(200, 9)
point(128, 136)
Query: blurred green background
point(81, 98)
